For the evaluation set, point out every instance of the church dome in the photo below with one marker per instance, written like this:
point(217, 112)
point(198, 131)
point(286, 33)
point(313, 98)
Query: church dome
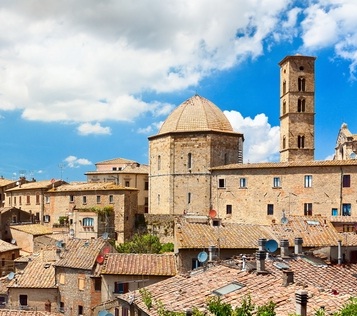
point(196, 114)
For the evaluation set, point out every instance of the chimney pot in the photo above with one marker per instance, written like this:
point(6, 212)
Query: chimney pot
point(262, 242)
point(301, 298)
point(298, 245)
point(260, 256)
point(284, 248)
point(288, 277)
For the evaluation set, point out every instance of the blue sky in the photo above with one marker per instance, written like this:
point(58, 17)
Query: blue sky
point(85, 81)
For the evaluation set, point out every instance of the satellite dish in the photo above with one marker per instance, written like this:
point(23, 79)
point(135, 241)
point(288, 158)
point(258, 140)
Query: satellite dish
point(100, 259)
point(11, 275)
point(59, 244)
point(105, 235)
point(271, 245)
point(13, 241)
point(106, 250)
point(103, 313)
point(212, 213)
point(353, 155)
point(109, 314)
point(284, 220)
point(202, 256)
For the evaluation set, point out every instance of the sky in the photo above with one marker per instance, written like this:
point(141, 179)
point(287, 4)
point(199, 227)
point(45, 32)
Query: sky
point(83, 81)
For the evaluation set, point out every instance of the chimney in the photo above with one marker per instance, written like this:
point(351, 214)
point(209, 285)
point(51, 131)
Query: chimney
point(260, 256)
point(301, 302)
point(284, 248)
point(261, 243)
point(339, 258)
point(298, 245)
point(211, 250)
point(288, 277)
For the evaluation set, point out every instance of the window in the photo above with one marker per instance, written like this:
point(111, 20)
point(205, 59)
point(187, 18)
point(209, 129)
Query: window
point(14, 200)
point(308, 181)
point(301, 141)
point(229, 209)
point(121, 288)
point(242, 182)
point(146, 186)
point(114, 168)
point(2, 262)
point(14, 219)
point(221, 183)
point(301, 84)
point(71, 198)
point(159, 162)
point(61, 307)
point(88, 222)
point(20, 200)
point(284, 142)
point(226, 159)
point(301, 105)
point(28, 200)
point(80, 310)
point(127, 183)
point(81, 283)
point(98, 199)
point(346, 181)
point(46, 218)
point(84, 199)
point(346, 209)
point(23, 300)
point(37, 199)
point(188, 197)
point(284, 107)
point(307, 209)
point(284, 87)
point(334, 212)
point(234, 286)
point(196, 263)
point(124, 311)
point(276, 182)
point(189, 161)
point(270, 209)
point(97, 284)
point(111, 199)
point(158, 199)
point(47, 199)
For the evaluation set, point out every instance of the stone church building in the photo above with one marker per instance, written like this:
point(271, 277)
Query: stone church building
point(196, 162)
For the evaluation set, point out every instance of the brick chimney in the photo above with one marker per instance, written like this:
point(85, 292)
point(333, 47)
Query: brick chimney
point(284, 248)
point(260, 256)
point(298, 245)
point(288, 277)
point(301, 299)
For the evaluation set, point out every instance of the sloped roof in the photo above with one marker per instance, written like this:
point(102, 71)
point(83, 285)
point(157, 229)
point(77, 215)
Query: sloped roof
point(315, 232)
point(33, 229)
point(5, 246)
point(196, 114)
point(89, 186)
point(45, 184)
point(8, 312)
point(139, 264)
point(81, 254)
point(183, 292)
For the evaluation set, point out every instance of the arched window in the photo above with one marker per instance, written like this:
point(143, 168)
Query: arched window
point(301, 84)
point(301, 141)
point(225, 158)
point(189, 161)
point(284, 142)
point(158, 162)
point(301, 105)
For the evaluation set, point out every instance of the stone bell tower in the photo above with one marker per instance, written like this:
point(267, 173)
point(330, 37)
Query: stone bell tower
point(297, 108)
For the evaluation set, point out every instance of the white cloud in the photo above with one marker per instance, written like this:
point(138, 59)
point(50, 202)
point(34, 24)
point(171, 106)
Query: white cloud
point(88, 128)
point(74, 162)
point(261, 141)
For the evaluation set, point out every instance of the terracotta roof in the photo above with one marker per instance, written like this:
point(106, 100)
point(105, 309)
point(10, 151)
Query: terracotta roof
point(45, 184)
point(266, 165)
point(5, 182)
point(139, 264)
point(33, 229)
point(5, 246)
point(315, 232)
point(115, 161)
point(29, 277)
point(8, 312)
point(343, 219)
point(81, 254)
point(329, 286)
point(89, 186)
point(196, 114)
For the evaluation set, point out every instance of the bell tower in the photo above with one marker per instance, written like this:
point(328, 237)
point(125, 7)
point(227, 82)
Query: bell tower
point(297, 108)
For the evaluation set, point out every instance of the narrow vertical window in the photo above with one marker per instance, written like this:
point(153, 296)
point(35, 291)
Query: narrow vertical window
point(189, 161)
point(308, 181)
point(284, 107)
point(301, 141)
point(284, 142)
point(226, 159)
point(301, 84)
point(98, 199)
point(346, 181)
point(37, 199)
point(301, 105)
point(276, 182)
point(307, 209)
point(189, 197)
point(158, 199)
point(159, 162)
point(346, 209)
point(270, 209)
point(221, 183)
point(229, 209)
point(243, 183)
point(284, 87)
point(84, 199)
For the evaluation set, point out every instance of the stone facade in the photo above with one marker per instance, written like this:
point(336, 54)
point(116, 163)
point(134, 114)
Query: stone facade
point(346, 145)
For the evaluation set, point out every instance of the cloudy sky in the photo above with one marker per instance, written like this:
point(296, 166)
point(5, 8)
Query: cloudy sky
point(82, 81)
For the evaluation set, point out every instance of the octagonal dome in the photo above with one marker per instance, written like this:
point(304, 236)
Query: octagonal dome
point(196, 114)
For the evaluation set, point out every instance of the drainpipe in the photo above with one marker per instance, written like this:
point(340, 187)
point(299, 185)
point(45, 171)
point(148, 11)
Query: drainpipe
point(339, 255)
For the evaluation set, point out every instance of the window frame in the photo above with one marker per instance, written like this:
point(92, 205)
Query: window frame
point(221, 183)
point(229, 209)
point(307, 209)
point(270, 209)
point(308, 181)
point(243, 183)
point(346, 181)
point(276, 182)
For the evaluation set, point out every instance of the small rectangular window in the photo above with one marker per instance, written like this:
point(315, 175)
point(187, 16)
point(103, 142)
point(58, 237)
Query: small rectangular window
point(98, 199)
point(37, 199)
point(71, 198)
point(28, 199)
point(221, 183)
point(229, 209)
point(276, 182)
point(111, 199)
point(80, 310)
point(47, 199)
point(242, 182)
point(270, 209)
point(121, 288)
point(46, 218)
point(308, 181)
point(84, 199)
point(23, 300)
point(189, 197)
point(146, 186)
point(88, 222)
point(346, 209)
point(97, 284)
point(346, 181)
point(127, 184)
point(334, 212)
point(307, 209)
